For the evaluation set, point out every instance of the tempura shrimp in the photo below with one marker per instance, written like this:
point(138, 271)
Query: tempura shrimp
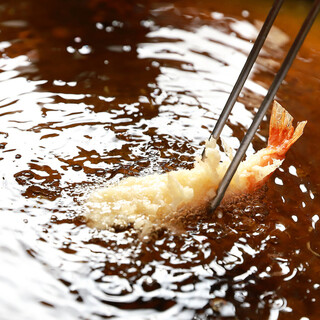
point(148, 200)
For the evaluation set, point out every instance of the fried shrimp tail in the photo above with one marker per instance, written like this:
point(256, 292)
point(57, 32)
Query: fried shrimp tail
point(253, 172)
point(282, 134)
point(148, 201)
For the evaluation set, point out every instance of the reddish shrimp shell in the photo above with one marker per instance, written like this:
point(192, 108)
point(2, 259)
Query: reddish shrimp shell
point(282, 135)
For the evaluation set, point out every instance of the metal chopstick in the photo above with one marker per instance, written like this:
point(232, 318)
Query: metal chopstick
point(245, 70)
point(265, 103)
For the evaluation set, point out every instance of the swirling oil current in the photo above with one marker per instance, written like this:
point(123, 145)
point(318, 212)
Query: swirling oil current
point(94, 91)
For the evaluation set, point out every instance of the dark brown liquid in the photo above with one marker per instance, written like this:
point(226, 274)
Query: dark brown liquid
point(92, 91)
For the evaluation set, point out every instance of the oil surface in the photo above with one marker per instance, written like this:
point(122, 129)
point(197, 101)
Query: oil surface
point(94, 91)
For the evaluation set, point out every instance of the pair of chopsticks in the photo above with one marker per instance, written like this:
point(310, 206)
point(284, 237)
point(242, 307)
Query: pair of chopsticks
point(268, 98)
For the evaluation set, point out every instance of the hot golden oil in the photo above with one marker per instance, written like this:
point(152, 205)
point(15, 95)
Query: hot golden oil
point(95, 91)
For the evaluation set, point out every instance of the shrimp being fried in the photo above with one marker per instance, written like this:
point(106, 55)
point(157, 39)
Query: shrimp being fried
point(147, 201)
